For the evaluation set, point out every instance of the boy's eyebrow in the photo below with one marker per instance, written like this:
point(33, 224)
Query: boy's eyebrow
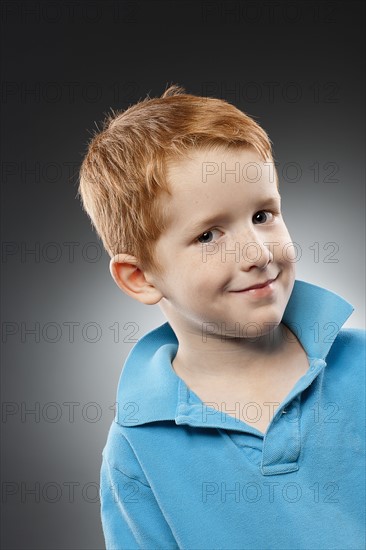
point(273, 201)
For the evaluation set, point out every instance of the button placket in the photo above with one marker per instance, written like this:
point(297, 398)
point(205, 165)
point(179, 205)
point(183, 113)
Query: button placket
point(281, 446)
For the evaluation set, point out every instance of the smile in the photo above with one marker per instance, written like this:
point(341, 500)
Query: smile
point(259, 290)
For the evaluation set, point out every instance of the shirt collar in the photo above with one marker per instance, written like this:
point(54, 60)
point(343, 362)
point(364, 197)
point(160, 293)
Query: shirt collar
point(149, 390)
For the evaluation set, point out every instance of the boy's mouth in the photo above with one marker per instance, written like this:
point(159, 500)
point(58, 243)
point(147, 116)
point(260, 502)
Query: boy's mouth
point(258, 285)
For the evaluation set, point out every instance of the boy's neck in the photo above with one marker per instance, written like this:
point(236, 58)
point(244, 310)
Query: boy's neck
point(232, 358)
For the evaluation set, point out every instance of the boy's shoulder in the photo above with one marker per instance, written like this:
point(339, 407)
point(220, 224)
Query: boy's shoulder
point(119, 455)
point(355, 335)
point(350, 341)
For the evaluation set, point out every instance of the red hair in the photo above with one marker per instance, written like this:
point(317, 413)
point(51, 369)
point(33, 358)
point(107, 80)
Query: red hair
point(123, 174)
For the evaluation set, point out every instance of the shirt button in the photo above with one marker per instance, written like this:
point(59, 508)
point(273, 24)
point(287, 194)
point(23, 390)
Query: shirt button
point(319, 363)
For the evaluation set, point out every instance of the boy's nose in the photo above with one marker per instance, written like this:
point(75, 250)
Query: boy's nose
point(256, 253)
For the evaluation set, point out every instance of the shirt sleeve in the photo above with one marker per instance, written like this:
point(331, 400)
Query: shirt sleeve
point(131, 517)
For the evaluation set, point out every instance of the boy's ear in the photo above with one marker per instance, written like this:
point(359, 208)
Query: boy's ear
point(129, 277)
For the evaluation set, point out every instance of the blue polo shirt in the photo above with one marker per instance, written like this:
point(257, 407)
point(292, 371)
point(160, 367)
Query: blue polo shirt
point(177, 473)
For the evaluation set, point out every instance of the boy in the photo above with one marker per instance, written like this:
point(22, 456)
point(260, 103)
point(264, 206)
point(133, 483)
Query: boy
point(240, 421)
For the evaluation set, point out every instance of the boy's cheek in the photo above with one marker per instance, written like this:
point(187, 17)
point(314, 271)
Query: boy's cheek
point(289, 253)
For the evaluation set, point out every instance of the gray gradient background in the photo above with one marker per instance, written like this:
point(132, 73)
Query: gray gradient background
point(137, 48)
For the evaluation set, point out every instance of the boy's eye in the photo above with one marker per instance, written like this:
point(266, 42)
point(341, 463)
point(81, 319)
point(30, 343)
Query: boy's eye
point(205, 237)
point(260, 217)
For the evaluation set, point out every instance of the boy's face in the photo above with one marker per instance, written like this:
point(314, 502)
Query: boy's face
point(245, 243)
